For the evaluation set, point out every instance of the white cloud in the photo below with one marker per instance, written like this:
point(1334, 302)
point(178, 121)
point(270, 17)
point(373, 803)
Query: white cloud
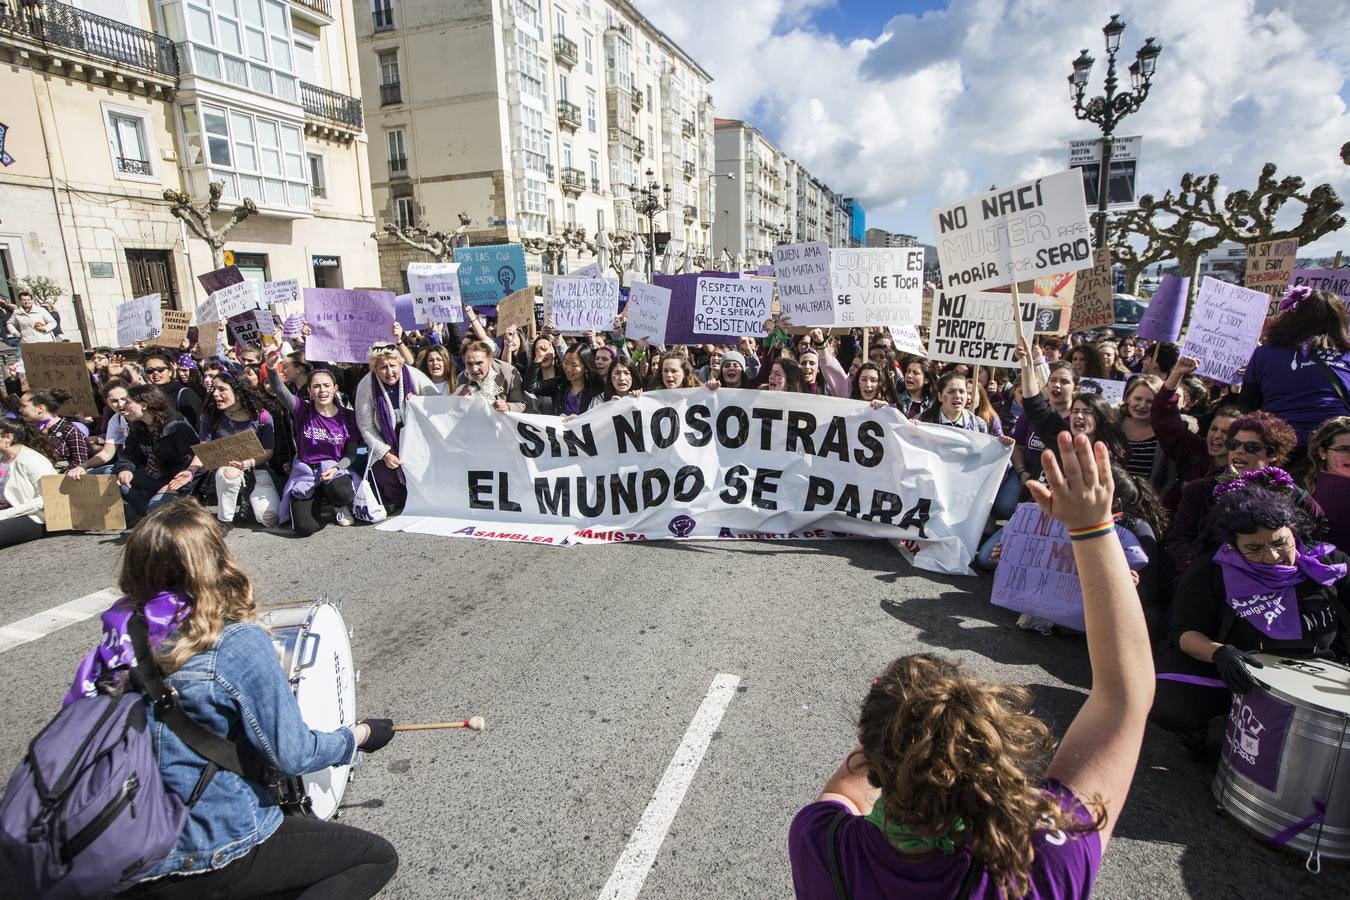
point(947, 103)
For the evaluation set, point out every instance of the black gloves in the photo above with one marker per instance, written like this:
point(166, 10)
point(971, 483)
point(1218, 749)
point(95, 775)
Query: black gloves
point(1232, 664)
point(381, 733)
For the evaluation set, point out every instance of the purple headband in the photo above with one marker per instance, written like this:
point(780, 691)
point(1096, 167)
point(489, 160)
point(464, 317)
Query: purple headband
point(1269, 477)
point(807, 350)
point(1294, 297)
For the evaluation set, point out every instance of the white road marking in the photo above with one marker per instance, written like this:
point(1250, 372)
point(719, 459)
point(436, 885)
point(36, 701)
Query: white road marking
point(626, 881)
point(39, 625)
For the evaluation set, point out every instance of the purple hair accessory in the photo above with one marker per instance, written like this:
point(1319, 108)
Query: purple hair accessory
point(186, 361)
point(1294, 297)
point(1270, 477)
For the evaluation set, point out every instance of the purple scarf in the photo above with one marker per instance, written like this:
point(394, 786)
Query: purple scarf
point(163, 614)
point(384, 414)
point(1263, 595)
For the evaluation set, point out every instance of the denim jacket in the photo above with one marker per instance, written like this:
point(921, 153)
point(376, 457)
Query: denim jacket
point(237, 689)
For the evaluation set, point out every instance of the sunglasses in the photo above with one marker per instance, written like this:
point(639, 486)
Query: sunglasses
point(155, 370)
point(1252, 447)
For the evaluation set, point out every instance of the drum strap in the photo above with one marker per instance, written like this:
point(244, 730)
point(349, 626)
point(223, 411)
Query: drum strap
point(220, 753)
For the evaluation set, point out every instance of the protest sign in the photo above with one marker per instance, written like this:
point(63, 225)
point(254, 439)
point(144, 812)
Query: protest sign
point(1036, 572)
point(517, 311)
point(591, 270)
point(236, 299)
point(732, 307)
point(1033, 228)
point(208, 338)
point(250, 328)
point(803, 272)
point(1054, 302)
point(220, 278)
point(585, 304)
point(1094, 299)
point(978, 328)
point(648, 311)
point(697, 464)
point(283, 298)
point(1270, 265)
point(173, 328)
point(344, 324)
point(908, 340)
point(1224, 329)
point(1166, 310)
point(764, 269)
point(1337, 281)
point(60, 366)
point(403, 312)
point(91, 503)
point(138, 320)
point(488, 274)
point(435, 291)
point(223, 451)
point(877, 285)
point(1111, 391)
point(680, 314)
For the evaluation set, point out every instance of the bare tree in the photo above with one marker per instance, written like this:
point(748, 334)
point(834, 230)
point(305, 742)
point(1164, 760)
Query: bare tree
point(1119, 230)
point(439, 245)
point(552, 248)
point(198, 217)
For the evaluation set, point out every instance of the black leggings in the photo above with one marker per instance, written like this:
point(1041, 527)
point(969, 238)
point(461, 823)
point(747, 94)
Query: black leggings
point(305, 513)
point(1181, 706)
point(20, 530)
point(303, 858)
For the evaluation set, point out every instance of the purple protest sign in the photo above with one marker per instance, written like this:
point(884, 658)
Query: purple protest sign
point(1162, 320)
point(345, 324)
point(1036, 573)
point(1258, 723)
point(680, 319)
point(220, 278)
point(404, 312)
point(1337, 281)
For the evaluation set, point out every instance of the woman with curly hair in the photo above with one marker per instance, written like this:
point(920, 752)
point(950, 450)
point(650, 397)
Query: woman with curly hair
point(955, 788)
point(1086, 362)
point(234, 407)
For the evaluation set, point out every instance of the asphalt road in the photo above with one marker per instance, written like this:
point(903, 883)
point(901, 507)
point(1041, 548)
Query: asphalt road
point(589, 664)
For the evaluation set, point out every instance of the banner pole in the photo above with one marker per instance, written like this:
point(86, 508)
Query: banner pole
point(866, 334)
point(1336, 263)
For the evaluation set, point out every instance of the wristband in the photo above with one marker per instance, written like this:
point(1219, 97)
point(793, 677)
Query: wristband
point(1092, 531)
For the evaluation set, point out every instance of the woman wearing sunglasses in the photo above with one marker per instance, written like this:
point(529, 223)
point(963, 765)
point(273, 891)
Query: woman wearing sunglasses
point(161, 370)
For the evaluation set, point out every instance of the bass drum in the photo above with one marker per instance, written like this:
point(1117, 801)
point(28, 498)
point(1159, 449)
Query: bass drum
point(316, 656)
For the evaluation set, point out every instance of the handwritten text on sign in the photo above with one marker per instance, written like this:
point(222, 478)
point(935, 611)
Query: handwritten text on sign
point(235, 299)
point(1337, 281)
point(585, 304)
point(435, 292)
point(60, 365)
point(803, 272)
point(978, 328)
point(487, 274)
point(732, 306)
point(1036, 572)
point(877, 285)
point(1270, 265)
point(345, 324)
point(1032, 228)
point(1224, 329)
point(1094, 302)
point(138, 320)
point(648, 310)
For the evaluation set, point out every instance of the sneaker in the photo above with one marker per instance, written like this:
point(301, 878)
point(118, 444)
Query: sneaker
point(344, 517)
point(1028, 622)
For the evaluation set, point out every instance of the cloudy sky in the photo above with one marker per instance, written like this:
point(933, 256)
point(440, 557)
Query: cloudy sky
point(907, 104)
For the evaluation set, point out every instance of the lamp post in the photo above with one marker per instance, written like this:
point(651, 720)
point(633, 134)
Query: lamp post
point(648, 200)
point(1108, 110)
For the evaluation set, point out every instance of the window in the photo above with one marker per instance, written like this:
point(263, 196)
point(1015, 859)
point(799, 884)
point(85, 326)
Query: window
point(126, 139)
point(398, 152)
point(318, 185)
point(571, 214)
point(599, 220)
point(567, 156)
point(588, 44)
point(391, 88)
point(560, 22)
point(595, 171)
point(382, 14)
point(405, 212)
point(258, 158)
point(562, 86)
point(246, 43)
point(590, 111)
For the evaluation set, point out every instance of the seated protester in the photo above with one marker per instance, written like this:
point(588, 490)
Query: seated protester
point(38, 408)
point(435, 363)
point(380, 406)
point(1255, 441)
point(1140, 513)
point(784, 375)
point(160, 367)
point(1269, 587)
point(1193, 455)
point(1329, 450)
point(115, 432)
point(621, 381)
point(155, 463)
point(821, 373)
point(577, 390)
point(948, 793)
point(186, 373)
point(1302, 372)
point(543, 367)
point(25, 458)
point(918, 379)
point(327, 441)
point(237, 407)
point(676, 372)
point(514, 349)
point(873, 385)
point(1145, 458)
point(200, 612)
point(485, 376)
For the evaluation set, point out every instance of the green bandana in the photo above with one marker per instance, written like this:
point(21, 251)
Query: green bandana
point(903, 838)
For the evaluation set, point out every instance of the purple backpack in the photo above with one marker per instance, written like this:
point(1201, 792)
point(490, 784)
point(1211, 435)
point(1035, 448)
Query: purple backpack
point(86, 812)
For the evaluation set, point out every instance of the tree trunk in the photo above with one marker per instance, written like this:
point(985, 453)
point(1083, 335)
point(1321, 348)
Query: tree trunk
point(1188, 262)
point(1132, 275)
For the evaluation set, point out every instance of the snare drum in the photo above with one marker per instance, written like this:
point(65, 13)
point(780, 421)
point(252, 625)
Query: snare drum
point(316, 655)
point(1285, 773)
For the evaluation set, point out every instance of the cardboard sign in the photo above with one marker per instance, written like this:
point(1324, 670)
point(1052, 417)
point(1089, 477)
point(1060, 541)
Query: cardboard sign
point(174, 328)
point(1224, 329)
point(250, 329)
point(1054, 302)
point(208, 339)
point(138, 320)
point(92, 503)
point(803, 272)
point(978, 328)
point(1270, 265)
point(517, 311)
point(585, 304)
point(648, 313)
point(235, 448)
point(1166, 310)
point(877, 285)
point(344, 324)
point(1036, 571)
point(732, 307)
point(435, 291)
point(283, 298)
point(60, 365)
point(1336, 281)
point(1094, 300)
point(908, 341)
point(236, 299)
point(487, 275)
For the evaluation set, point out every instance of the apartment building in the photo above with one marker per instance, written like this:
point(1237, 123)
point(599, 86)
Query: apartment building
point(529, 116)
point(110, 102)
point(753, 193)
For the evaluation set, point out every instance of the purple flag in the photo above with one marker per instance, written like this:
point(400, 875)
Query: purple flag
point(1258, 723)
point(680, 323)
point(344, 324)
point(1162, 320)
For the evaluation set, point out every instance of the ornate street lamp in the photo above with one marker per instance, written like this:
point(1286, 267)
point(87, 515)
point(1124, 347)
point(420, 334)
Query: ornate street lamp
point(648, 200)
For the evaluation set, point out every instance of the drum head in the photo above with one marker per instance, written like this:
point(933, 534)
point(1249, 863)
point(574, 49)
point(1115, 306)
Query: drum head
point(1317, 682)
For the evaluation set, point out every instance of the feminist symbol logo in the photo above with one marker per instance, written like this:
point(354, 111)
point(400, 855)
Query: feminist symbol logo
point(681, 526)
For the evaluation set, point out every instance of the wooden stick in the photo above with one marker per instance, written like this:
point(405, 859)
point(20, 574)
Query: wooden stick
point(1336, 263)
point(474, 724)
point(866, 333)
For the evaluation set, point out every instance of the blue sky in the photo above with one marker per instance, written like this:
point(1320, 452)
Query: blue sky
point(849, 19)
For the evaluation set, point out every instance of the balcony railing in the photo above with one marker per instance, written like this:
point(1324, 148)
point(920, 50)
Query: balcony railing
point(398, 165)
point(133, 166)
point(573, 180)
point(322, 7)
point(637, 97)
point(564, 51)
point(391, 93)
point(569, 114)
point(59, 25)
point(640, 148)
point(548, 170)
point(690, 213)
point(595, 185)
point(325, 104)
point(686, 128)
point(319, 191)
point(689, 169)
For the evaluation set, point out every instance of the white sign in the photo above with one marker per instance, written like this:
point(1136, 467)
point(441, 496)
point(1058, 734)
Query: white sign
point(435, 292)
point(907, 340)
point(1038, 227)
point(803, 272)
point(978, 328)
point(590, 271)
point(877, 285)
point(283, 294)
point(1111, 391)
point(1086, 157)
point(207, 311)
point(1225, 326)
point(862, 472)
point(1125, 149)
point(732, 306)
point(585, 304)
point(235, 299)
point(138, 320)
point(647, 310)
point(250, 328)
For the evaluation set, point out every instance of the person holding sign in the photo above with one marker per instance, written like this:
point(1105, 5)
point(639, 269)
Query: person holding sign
point(1191, 455)
point(154, 465)
point(577, 389)
point(115, 432)
point(947, 793)
point(38, 409)
point(238, 407)
point(25, 458)
point(380, 415)
point(676, 372)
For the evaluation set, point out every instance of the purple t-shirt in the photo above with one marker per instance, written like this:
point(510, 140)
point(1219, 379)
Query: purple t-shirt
point(1065, 865)
point(1024, 433)
point(320, 438)
point(1296, 389)
point(224, 426)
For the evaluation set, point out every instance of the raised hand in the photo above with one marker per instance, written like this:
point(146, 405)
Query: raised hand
point(1078, 492)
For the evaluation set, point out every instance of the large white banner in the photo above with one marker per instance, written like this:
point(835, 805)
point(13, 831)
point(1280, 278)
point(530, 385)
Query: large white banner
point(699, 464)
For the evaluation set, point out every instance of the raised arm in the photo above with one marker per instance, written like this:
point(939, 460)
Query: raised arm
point(278, 384)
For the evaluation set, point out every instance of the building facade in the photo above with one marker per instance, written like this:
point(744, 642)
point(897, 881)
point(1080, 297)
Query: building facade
point(528, 116)
point(754, 189)
point(111, 102)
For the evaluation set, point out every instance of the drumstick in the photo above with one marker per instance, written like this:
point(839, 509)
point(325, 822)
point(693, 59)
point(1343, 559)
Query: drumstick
point(476, 724)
